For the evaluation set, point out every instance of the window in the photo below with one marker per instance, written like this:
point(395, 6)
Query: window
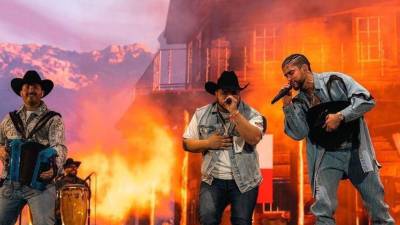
point(264, 45)
point(368, 31)
point(219, 57)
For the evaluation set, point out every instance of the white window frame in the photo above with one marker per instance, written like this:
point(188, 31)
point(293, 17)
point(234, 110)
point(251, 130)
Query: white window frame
point(263, 38)
point(368, 57)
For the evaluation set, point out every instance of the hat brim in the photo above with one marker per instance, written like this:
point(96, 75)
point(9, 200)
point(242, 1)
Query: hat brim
point(212, 87)
point(17, 83)
point(76, 163)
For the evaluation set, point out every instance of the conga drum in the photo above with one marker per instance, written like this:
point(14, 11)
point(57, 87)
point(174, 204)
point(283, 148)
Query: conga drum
point(74, 204)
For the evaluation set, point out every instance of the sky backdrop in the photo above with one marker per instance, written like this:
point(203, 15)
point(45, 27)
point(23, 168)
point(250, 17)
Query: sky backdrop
point(82, 25)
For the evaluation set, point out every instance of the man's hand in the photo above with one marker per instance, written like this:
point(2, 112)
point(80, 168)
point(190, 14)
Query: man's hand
point(232, 107)
point(287, 99)
point(216, 141)
point(46, 175)
point(332, 122)
point(3, 153)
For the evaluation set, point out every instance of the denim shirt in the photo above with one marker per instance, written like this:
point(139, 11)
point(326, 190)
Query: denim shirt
point(244, 158)
point(360, 102)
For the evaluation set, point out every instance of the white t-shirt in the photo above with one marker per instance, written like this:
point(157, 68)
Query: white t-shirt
point(28, 114)
point(223, 169)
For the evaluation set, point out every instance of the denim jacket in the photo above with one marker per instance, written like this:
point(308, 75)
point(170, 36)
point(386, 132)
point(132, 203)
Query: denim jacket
point(361, 102)
point(243, 158)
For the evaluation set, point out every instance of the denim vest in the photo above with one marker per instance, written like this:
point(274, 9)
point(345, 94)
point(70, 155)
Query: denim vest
point(244, 161)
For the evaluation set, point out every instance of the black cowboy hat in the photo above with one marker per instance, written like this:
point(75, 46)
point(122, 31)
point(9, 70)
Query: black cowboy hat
point(31, 77)
point(227, 81)
point(70, 161)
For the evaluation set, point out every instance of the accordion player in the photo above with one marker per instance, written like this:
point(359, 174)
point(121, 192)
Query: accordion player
point(28, 159)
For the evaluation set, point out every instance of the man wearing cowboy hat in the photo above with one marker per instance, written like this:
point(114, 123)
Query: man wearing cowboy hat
point(70, 176)
point(13, 195)
point(226, 133)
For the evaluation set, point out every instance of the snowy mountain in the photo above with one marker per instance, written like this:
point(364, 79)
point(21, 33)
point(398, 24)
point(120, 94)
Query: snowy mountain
point(71, 69)
point(98, 77)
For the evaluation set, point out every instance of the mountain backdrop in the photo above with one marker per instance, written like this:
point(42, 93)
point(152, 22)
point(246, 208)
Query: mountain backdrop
point(96, 76)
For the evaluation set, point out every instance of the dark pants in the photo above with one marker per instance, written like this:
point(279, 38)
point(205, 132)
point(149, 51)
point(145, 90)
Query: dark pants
point(13, 197)
point(58, 221)
point(214, 199)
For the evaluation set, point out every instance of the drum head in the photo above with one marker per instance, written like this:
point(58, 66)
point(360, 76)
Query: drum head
point(73, 186)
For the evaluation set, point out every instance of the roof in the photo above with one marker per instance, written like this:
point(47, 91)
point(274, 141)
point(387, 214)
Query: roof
point(187, 17)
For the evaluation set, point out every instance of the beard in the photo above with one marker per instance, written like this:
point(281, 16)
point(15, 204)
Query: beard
point(32, 100)
point(296, 85)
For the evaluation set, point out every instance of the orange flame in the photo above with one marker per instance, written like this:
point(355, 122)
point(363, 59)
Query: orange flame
point(133, 169)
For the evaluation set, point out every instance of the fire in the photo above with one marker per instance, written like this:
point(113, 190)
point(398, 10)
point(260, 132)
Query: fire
point(184, 174)
point(133, 160)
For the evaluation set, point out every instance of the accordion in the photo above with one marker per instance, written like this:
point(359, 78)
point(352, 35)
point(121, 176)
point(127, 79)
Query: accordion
point(28, 160)
point(346, 132)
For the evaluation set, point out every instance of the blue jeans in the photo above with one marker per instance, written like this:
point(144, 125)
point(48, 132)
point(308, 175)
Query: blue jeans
point(335, 165)
point(214, 199)
point(13, 198)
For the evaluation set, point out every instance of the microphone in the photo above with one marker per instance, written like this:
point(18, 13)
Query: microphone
point(284, 91)
point(89, 176)
point(228, 101)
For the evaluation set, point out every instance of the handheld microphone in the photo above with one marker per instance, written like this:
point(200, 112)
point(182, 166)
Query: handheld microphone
point(228, 101)
point(284, 91)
